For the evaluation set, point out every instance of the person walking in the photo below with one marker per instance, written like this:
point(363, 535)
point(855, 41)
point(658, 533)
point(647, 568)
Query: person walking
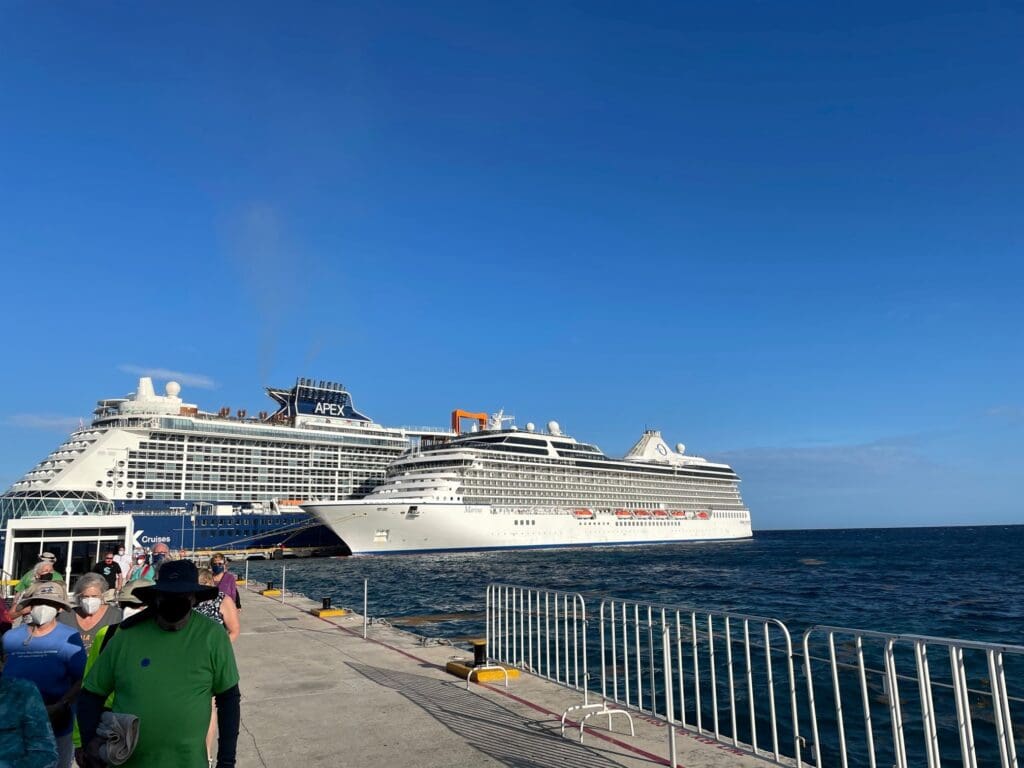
point(51, 655)
point(164, 665)
point(224, 579)
point(124, 561)
point(26, 738)
point(46, 564)
point(90, 612)
point(142, 569)
point(109, 570)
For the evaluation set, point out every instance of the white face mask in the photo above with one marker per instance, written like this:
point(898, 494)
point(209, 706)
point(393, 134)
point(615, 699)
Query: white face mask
point(43, 614)
point(128, 611)
point(90, 605)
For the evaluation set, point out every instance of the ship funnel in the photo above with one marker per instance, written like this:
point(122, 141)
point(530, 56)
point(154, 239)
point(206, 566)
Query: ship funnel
point(145, 390)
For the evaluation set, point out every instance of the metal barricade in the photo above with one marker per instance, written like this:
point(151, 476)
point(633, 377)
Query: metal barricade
point(924, 701)
point(725, 675)
point(540, 631)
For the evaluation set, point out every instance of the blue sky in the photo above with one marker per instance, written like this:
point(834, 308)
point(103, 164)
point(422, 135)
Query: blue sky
point(786, 234)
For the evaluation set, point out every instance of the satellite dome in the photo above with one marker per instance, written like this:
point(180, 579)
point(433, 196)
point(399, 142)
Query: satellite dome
point(173, 389)
point(680, 449)
point(553, 428)
point(530, 426)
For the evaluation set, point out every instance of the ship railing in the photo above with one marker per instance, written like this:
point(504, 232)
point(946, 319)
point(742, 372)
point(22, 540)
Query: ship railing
point(880, 699)
point(726, 676)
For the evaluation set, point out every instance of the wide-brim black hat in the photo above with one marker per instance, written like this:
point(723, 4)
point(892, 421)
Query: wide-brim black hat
point(177, 577)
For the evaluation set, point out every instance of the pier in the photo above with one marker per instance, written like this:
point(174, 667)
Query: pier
point(315, 693)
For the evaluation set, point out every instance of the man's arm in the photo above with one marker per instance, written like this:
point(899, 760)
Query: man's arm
point(229, 718)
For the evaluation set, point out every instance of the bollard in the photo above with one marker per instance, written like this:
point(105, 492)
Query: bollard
point(325, 611)
point(479, 652)
point(270, 591)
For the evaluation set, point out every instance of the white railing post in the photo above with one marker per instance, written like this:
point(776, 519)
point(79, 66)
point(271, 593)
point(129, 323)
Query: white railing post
point(366, 588)
point(670, 708)
point(283, 569)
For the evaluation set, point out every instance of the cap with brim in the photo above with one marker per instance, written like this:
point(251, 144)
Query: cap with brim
point(48, 556)
point(45, 592)
point(176, 577)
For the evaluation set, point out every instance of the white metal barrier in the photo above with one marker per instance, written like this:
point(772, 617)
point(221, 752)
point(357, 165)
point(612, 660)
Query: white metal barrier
point(542, 631)
point(545, 632)
point(726, 675)
point(954, 699)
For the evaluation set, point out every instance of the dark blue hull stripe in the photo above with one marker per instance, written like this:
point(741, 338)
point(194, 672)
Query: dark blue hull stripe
point(380, 553)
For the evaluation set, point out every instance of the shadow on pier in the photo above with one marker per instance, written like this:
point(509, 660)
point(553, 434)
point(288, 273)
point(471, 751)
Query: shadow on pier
point(499, 733)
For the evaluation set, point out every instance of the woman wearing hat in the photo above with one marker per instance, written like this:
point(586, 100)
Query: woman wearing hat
point(51, 655)
point(90, 613)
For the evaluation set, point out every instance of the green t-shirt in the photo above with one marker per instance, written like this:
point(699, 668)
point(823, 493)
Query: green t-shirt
point(167, 679)
point(27, 579)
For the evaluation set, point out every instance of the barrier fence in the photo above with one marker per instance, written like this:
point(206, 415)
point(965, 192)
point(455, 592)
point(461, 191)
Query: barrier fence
point(922, 701)
point(911, 700)
point(725, 675)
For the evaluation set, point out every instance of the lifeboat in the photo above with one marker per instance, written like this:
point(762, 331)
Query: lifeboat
point(677, 513)
point(660, 513)
point(641, 513)
point(623, 513)
point(702, 515)
point(582, 514)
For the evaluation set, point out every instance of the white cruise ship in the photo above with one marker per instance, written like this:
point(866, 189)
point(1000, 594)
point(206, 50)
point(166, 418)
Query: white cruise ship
point(206, 480)
point(502, 488)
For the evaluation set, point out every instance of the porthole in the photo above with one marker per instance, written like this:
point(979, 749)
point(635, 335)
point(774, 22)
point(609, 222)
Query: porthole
point(129, 494)
point(110, 483)
point(99, 483)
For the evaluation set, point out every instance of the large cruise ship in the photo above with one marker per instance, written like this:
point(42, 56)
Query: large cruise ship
point(207, 480)
point(501, 488)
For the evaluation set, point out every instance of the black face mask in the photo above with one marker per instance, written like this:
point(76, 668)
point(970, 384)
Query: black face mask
point(46, 577)
point(173, 608)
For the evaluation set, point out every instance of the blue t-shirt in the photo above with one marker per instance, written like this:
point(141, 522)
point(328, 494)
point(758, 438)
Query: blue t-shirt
point(54, 662)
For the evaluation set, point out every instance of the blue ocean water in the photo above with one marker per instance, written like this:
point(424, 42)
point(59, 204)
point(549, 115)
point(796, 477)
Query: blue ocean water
point(962, 582)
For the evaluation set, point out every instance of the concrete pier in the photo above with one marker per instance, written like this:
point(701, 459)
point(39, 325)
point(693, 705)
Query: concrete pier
point(315, 693)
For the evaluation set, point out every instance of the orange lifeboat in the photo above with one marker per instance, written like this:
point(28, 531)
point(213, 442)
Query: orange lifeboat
point(677, 513)
point(660, 513)
point(702, 515)
point(641, 513)
point(582, 514)
point(623, 513)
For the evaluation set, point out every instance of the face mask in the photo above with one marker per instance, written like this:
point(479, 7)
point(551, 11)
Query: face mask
point(217, 569)
point(128, 611)
point(173, 608)
point(157, 559)
point(46, 577)
point(90, 605)
point(140, 561)
point(120, 551)
point(43, 614)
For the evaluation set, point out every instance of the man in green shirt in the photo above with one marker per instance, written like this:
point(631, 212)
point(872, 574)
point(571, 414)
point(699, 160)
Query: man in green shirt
point(165, 665)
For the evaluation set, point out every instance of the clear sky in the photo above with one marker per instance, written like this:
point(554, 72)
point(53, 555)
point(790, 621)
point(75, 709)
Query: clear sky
point(787, 234)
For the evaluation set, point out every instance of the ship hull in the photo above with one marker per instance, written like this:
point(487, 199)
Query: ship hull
point(417, 527)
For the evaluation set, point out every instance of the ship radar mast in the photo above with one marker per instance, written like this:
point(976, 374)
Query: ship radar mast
point(497, 420)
